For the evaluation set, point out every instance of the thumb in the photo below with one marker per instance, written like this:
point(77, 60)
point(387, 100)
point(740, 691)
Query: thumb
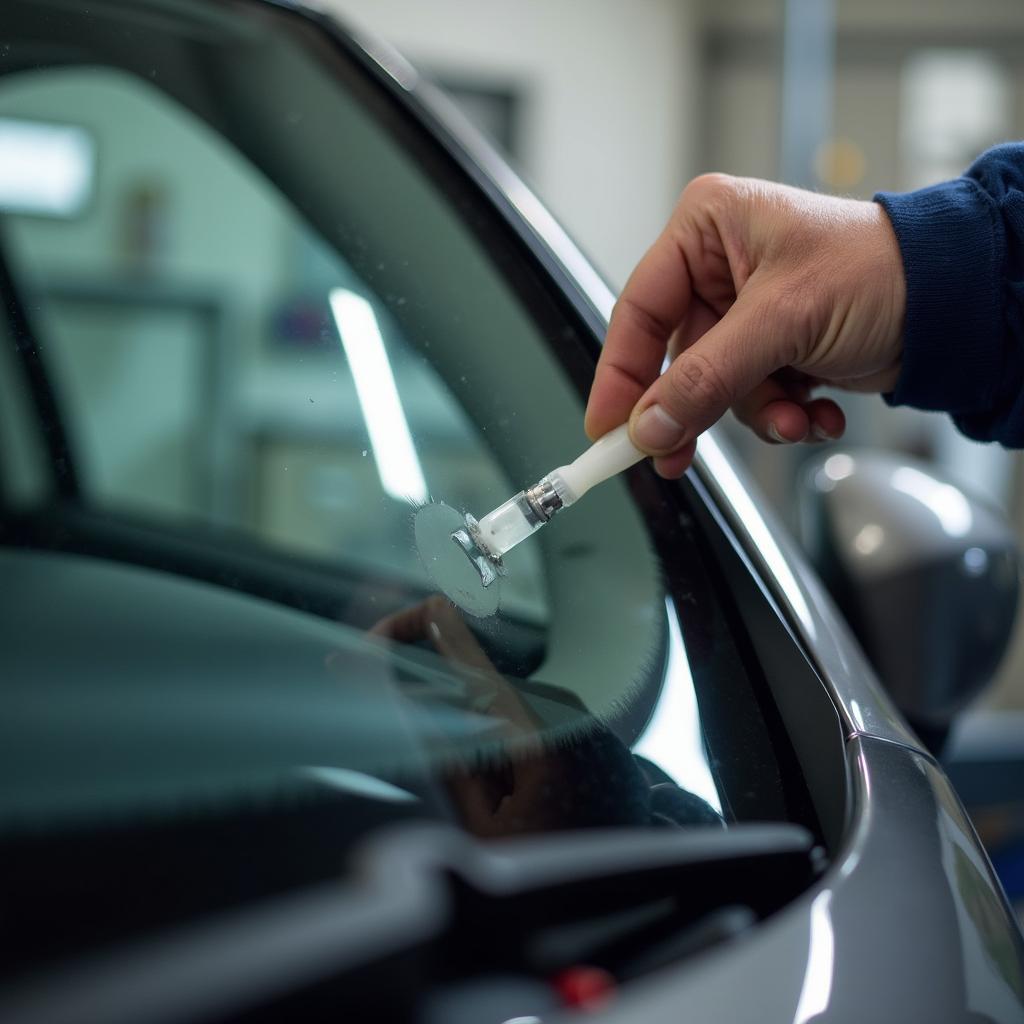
point(705, 379)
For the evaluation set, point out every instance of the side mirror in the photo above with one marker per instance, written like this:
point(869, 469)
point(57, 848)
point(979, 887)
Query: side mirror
point(926, 576)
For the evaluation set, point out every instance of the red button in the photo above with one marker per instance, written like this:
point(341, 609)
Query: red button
point(584, 988)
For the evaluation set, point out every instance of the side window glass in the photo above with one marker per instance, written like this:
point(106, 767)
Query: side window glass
point(216, 361)
point(24, 474)
point(228, 374)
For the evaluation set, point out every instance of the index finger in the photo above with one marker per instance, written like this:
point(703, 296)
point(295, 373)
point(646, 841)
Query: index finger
point(653, 303)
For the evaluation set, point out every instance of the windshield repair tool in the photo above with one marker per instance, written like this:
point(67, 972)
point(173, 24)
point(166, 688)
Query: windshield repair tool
point(463, 555)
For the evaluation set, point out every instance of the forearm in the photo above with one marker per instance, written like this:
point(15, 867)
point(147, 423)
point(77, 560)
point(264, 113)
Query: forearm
point(962, 244)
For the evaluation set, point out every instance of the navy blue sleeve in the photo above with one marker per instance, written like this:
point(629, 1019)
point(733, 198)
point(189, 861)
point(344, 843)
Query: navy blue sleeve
point(963, 253)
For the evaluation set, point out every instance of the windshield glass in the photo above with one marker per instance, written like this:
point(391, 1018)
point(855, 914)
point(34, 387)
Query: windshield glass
point(273, 320)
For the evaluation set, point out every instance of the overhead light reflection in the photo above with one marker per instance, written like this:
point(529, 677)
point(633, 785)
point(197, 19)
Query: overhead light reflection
point(817, 985)
point(835, 468)
point(869, 538)
point(839, 466)
point(975, 561)
point(45, 168)
point(397, 463)
point(944, 501)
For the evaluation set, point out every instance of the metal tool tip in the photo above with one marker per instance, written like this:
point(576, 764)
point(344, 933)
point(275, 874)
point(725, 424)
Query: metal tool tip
point(489, 567)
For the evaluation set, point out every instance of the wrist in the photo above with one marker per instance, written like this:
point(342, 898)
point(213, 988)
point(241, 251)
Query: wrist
point(951, 254)
point(892, 283)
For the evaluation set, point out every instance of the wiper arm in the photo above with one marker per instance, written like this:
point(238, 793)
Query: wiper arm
point(427, 905)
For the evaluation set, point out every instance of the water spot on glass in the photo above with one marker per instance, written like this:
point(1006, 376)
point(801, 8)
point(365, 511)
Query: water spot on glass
point(401, 300)
point(364, 453)
point(311, 401)
point(380, 266)
point(463, 379)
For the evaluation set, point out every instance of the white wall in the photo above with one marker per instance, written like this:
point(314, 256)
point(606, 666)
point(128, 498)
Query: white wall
point(609, 91)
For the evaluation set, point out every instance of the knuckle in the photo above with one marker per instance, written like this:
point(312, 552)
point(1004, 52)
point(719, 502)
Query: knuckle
point(709, 186)
point(637, 318)
point(789, 310)
point(713, 192)
point(696, 383)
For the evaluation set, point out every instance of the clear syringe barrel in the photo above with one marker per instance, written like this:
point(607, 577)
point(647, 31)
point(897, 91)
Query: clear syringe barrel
point(509, 525)
point(524, 514)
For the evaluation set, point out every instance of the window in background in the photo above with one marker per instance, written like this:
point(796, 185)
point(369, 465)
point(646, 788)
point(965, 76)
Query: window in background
point(496, 110)
point(955, 103)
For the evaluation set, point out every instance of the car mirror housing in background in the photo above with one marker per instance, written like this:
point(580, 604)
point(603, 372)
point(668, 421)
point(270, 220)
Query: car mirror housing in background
point(927, 577)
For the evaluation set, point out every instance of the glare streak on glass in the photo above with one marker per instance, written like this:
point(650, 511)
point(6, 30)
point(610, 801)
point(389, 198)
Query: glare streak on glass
point(736, 494)
point(857, 715)
point(393, 450)
point(672, 738)
point(817, 985)
point(944, 501)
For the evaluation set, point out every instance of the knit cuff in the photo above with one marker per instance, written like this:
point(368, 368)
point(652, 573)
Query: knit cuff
point(951, 242)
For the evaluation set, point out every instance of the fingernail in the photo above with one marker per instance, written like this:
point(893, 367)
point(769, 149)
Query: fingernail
point(821, 434)
point(773, 433)
point(656, 430)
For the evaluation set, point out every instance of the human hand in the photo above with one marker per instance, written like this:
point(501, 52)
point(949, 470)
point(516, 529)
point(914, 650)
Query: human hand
point(758, 292)
point(498, 782)
point(438, 622)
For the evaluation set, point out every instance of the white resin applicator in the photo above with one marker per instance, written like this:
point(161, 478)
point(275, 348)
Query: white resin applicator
point(464, 570)
point(522, 515)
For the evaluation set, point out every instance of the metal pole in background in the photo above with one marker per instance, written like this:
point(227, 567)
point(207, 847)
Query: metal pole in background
point(808, 76)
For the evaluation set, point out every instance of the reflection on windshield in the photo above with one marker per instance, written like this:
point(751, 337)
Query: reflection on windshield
point(526, 756)
point(397, 463)
point(672, 737)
